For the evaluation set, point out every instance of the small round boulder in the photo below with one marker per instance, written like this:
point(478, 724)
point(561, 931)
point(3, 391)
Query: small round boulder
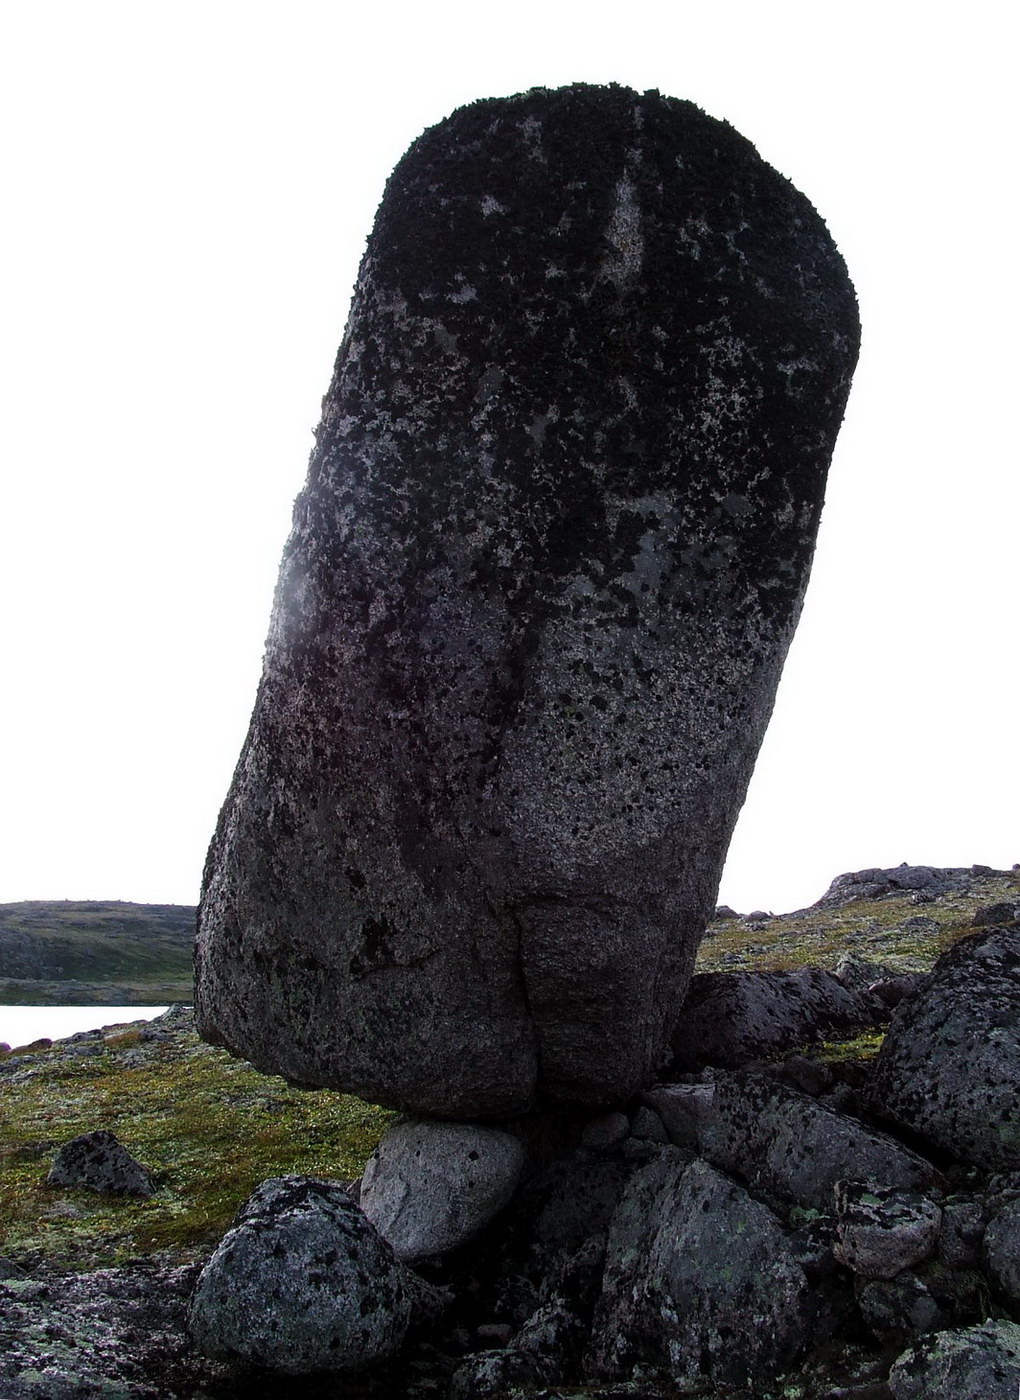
point(429, 1187)
point(301, 1283)
point(100, 1163)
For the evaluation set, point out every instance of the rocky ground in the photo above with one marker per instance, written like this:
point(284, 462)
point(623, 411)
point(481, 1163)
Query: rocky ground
point(853, 1217)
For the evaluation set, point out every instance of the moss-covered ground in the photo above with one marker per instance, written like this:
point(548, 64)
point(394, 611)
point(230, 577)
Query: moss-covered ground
point(894, 930)
point(208, 1127)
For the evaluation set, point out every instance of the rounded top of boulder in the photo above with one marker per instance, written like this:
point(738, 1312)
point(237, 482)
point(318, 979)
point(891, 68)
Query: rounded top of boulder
point(625, 279)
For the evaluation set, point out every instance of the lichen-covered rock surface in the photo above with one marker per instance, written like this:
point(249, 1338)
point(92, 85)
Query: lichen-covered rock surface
point(729, 1018)
point(302, 1283)
point(785, 1142)
point(533, 610)
point(101, 1163)
point(700, 1281)
point(949, 1066)
point(974, 1363)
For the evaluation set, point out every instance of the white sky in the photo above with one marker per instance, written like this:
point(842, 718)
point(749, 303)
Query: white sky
point(188, 189)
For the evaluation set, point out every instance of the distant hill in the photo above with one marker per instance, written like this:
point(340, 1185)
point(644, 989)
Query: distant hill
point(95, 952)
point(109, 953)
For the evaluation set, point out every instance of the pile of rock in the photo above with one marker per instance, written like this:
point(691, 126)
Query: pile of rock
point(738, 1230)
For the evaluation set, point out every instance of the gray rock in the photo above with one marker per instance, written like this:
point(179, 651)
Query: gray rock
point(971, 1363)
point(890, 991)
point(902, 879)
point(950, 1062)
point(1006, 912)
point(685, 1109)
point(1002, 1250)
point(894, 1310)
point(961, 1233)
point(569, 1203)
point(541, 1354)
point(114, 1334)
point(647, 1126)
point(700, 1280)
point(605, 1132)
point(533, 610)
point(881, 1231)
point(428, 1187)
point(785, 1142)
point(731, 1018)
point(302, 1282)
point(100, 1163)
point(812, 1077)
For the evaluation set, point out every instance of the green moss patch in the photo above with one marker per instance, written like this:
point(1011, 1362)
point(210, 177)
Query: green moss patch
point(894, 930)
point(208, 1127)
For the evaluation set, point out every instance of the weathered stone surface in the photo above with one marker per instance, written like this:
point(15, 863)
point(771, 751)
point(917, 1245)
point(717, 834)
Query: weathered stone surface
point(685, 1109)
point(731, 1018)
point(876, 883)
point(647, 1126)
point(1002, 1250)
point(112, 1334)
point(972, 1363)
point(428, 1187)
point(880, 1231)
point(896, 1309)
point(700, 1280)
point(950, 1062)
point(961, 1233)
point(302, 1283)
point(533, 610)
point(541, 1354)
point(788, 1143)
point(606, 1131)
point(102, 1164)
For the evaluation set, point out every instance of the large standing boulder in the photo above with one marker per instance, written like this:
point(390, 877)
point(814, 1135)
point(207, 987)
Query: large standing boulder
point(950, 1063)
point(533, 610)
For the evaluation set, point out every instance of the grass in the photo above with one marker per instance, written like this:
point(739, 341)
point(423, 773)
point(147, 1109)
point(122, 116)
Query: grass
point(905, 936)
point(208, 1128)
point(113, 951)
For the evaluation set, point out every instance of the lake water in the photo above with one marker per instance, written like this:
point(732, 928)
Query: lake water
point(19, 1025)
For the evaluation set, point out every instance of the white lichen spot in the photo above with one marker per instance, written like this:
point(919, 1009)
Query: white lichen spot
point(538, 425)
point(628, 391)
point(623, 265)
point(490, 205)
point(465, 292)
point(532, 129)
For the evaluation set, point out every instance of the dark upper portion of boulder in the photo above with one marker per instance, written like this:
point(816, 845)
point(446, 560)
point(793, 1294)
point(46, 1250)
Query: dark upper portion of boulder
point(533, 610)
